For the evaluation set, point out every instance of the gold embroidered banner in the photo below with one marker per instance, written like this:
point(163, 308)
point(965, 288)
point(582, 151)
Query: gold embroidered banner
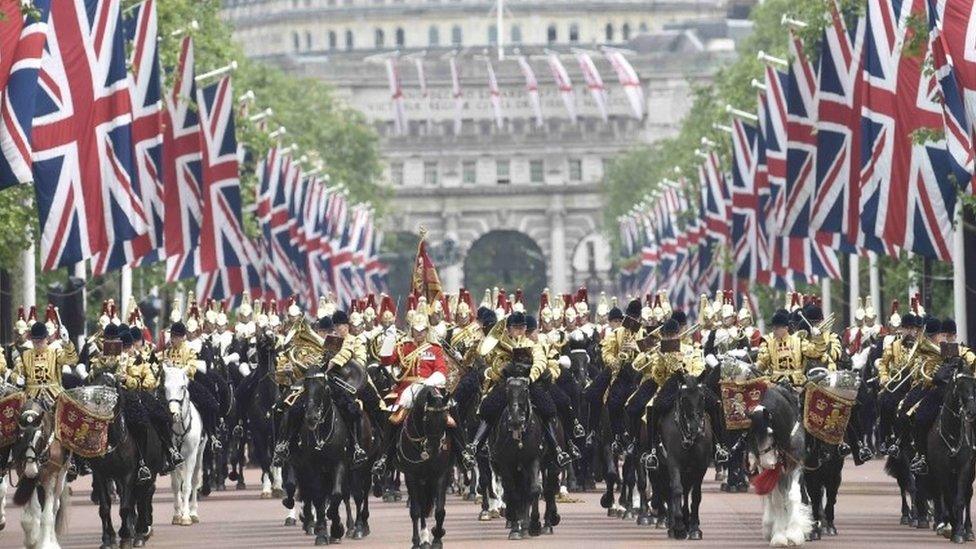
point(81, 430)
point(826, 414)
point(739, 398)
point(10, 407)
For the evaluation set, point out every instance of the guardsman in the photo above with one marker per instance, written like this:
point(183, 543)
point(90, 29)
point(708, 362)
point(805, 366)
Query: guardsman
point(602, 311)
point(615, 319)
point(673, 359)
point(501, 359)
point(618, 352)
point(780, 353)
point(182, 353)
point(39, 368)
point(352, 349)
point(749, 332)
point(920, 404)
point(555, 363)
point(422, 364)
point(820, 344)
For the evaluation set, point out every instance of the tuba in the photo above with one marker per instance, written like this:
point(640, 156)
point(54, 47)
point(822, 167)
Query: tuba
point(496, 337)
point(305, 347)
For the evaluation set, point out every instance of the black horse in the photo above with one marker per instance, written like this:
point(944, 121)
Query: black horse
point(950, 451)
point(688, 442)
point(259, 392)
point(425, 455)
point(320, 459)
point(516, 450)
point(116, 471)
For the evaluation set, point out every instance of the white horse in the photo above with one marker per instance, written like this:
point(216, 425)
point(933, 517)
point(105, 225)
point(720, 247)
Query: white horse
point(42, 467)
point(189, 438)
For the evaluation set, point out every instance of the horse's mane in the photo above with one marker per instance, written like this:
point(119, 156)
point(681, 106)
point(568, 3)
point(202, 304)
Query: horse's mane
point(421, 397)
point(778, 413)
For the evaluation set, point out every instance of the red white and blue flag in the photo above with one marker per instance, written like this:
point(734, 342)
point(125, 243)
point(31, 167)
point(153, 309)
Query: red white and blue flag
point(801, 143)
point(182, 171)
point(908, 198)
point(82, 136)
point(21, 45)
point(147, 141)
point(745, 199)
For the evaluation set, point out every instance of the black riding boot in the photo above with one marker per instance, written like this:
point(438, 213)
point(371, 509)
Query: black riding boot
point(458, 448)
point(721, 452)
point(282, 446)
point(387, 452)
point(472, 448)
point(562, 458)
point(649, 459)
point(358, 454)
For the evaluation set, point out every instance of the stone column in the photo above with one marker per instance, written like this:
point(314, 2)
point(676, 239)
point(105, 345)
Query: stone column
point(452, 276)
point(558, 262)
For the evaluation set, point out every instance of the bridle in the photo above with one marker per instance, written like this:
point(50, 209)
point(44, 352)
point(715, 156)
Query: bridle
point(690, 428)
point(949, 405)
point(314, 425)
point(421, 440)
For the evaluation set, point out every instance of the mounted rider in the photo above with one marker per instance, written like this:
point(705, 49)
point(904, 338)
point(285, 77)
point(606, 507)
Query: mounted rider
point(555, 364)
point(38, 368)
point(500, 359)
point(181, 353)
point(421, 364)
point(673, 359)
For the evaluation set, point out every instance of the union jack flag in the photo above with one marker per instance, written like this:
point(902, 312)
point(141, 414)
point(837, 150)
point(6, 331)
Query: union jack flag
point(277, 275)
point(745, 199)
point(838, 136)
point(228, 283)
point(222, 237)
point(182, 173)
point(23, 43)
point(82, 136)
point(907, 195)
point(954, 54)
point(717, 206)
point(801, 143)
point(147, 140)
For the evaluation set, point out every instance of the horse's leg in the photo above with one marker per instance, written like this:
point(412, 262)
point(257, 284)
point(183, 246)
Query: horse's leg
point(126, 510)
point(958, 508)
point(3, 502)
point(49, 510)
point(677, 529)
point(346, 500)
point(814, 489)
point(192, 508)
point(414, 503)
point(968, 527)
point(484, 488)
point(832, 487)
point(336, 496)
point(694, 520)
point(100, 486)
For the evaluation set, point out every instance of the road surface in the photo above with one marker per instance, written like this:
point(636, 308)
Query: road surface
point(867, 516)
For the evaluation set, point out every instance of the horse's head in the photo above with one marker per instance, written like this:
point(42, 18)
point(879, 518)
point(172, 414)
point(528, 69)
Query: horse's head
point(690, 409)
point(433, 408)
point(34, 439)
point(761, 440)
point(103, 378)
point(318, 395)
point(517, 393)
point(962, 395)
point(176, 383)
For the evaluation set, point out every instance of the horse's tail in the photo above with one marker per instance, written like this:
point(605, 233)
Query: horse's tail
point(25, 488)
point(893, 467)
point(61, 521)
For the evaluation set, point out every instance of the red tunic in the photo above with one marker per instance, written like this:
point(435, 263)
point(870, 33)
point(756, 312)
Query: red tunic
point(431, 360)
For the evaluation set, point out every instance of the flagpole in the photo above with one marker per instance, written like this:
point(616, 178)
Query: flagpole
point(500, 35)
point(875, 282)
point(959, 275)
point(29, 284)
point(81, 273)
point(854, 283)
point(826, 294)
point(125, 284)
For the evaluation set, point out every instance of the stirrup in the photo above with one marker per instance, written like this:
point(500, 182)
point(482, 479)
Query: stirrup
point(562, 458)
point(574, 451)
point(721, 454)
point(578, 431)
point(144, 474)
point(919, 465)
point(359, 456)
point(238, 431)
point(215, 443)
point(865, 454)
point(649, 461)
point(844, 448)
point(281, 453)
point(379, 466)
point(893, 449)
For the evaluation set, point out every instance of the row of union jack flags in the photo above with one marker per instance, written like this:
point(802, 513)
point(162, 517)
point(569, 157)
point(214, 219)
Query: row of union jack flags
point(129, 174)
point(864, 150)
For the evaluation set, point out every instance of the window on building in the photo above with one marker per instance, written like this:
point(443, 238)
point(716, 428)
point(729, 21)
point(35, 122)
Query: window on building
point(537, 171)
point(469, 172)
point(379, 38)
point(430, 174)
point(333, 40)
point(574, 33)
point(349, 42)
point(551, 34)
point(575, 169)
point(396, 174)
point(296, 41)
point(308, 40)
point(493, 34)
point(456, 36)
point(516, 34)
point(400, 38)
point(609, 32)
point(502, 172)
point(625, 31)
point(433, 37)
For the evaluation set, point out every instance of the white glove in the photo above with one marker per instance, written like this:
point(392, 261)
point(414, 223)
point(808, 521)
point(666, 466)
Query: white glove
point(738, 353)
point(436, 379)
point(564, 362)
point(244, 368)
point(814, 331)
point(389, 343)
point(231, 358)
point(82, 370)
point(63, 332)
point(711, 360)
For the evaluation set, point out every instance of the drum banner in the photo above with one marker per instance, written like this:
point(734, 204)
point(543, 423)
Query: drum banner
point(10, 407)
point(80, 429)
point(826, 413)
point(739, 398)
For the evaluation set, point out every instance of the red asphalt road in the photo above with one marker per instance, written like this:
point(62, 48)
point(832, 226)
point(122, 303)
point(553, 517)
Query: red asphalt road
point(867, 516)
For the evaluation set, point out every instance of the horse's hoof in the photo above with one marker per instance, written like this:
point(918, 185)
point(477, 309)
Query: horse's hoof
point(695, 535)
point(535, 530)
point(742, 488)
point(288, 502)
point(484, 516)
point(437, 544)
point(508, 524)
point(194, 519)
point(611, 513)
point(277, 493)
point(725, 487)
point(388, 498)
point(3, 525)
point(644, 520)
point(265, 495)
point(913, 522)
point(241, 486)
point(310, 530)
point(107, 546)
point(547, 530)
point(830, 530)
point(139, 542)
point(814, 535)
point(606, 500)
point(922, 524)
point(628, 515)
point(322, 540)
point(515, 535)
point(125, 544)
point(357, 533)
point(905, 521)
point(661, 523)
point(186, 521)
point(958, 538)
point(556, 519)
point(290, 522)
point(943, 529)
point(176, 520)
point(969, 535)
